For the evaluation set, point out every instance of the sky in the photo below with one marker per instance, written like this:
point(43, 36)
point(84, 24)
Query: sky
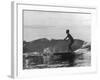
point(53, 25)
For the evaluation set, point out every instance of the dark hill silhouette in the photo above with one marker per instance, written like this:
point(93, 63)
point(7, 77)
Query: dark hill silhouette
point(58, 45)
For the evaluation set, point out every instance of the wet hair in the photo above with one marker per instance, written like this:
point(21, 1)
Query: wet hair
point(67, 31)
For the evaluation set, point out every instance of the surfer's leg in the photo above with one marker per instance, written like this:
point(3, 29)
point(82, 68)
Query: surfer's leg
point(70, 46)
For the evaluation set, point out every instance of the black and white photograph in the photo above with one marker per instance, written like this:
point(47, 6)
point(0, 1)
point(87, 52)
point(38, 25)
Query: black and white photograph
point(56, 39)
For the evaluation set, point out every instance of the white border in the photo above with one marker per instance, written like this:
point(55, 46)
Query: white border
point(17, 70)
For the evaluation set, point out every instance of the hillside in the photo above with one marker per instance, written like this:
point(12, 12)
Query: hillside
point(55, 45)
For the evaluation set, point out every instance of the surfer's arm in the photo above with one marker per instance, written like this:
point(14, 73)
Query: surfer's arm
point(66, 38)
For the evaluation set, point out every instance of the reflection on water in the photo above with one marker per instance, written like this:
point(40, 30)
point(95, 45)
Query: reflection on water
point(58, 60)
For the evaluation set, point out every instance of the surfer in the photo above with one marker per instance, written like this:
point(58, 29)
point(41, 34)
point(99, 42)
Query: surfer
point(70, 38)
